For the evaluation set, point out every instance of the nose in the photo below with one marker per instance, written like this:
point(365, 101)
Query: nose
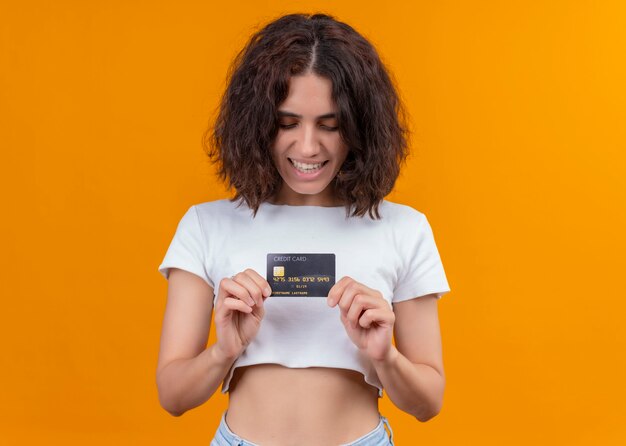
point(309, 145)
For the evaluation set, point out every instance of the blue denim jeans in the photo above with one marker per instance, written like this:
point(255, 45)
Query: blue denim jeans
point(377, 437)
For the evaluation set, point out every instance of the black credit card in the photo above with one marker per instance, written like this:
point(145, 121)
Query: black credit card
point(308, 275)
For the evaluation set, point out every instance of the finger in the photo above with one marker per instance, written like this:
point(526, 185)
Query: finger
point(237, 305)
point(379, 316)
point(221, 292)
point(263, 284)
point(249, 284)
point(360, 303)
point(228, 287)
point(349, 293)
point(337, 289)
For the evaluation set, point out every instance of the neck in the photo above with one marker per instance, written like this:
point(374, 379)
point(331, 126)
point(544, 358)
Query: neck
point(287, 196)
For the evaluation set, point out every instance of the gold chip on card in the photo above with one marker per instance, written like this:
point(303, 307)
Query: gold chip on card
point(279, 271)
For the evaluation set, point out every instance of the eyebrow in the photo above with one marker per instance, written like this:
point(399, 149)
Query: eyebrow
point(294, 115)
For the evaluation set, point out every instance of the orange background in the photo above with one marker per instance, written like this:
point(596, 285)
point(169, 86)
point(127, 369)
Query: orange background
point(518, 112)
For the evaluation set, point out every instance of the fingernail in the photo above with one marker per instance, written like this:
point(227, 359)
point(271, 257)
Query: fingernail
point(329, 302)
point(267, 291)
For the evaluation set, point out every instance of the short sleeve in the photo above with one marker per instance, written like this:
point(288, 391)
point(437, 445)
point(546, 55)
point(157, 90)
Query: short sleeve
point(421, 270)
point(187, 248)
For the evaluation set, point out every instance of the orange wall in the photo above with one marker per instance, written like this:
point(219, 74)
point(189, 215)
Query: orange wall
point(518, 111)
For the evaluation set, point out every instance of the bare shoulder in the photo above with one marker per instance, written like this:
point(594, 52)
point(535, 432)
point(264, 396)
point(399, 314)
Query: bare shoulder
point(187, 318)
point(417, 332)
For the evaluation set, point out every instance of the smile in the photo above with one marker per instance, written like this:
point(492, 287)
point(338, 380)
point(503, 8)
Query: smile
point(307, 168)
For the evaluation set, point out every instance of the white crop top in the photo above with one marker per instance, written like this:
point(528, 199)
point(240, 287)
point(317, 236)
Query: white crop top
point(396, 255)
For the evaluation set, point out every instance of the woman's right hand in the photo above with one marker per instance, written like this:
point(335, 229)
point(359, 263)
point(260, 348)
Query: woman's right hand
point(239, 309)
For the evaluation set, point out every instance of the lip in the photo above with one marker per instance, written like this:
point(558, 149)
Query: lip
point(307, 176)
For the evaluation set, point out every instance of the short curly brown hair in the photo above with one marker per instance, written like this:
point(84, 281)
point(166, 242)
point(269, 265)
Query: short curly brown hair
point(371, 116)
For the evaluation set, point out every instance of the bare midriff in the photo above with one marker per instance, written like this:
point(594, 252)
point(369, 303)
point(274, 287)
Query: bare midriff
point(274, 405)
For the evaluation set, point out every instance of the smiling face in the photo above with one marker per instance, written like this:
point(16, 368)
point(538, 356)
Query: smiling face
point(308, 150)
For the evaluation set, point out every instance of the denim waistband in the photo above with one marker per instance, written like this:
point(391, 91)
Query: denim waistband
point(377, 437)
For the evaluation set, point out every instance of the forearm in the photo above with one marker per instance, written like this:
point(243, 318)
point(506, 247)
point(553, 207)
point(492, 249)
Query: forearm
point(187, 383)
point(414, 388)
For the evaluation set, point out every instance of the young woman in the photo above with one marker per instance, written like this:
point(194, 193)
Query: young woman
point(308, 270)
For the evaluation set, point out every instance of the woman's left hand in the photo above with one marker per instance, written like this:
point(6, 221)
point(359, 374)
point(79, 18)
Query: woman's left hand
point(367, 317)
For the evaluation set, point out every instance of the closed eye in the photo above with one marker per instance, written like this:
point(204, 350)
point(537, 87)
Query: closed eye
point(325, 127)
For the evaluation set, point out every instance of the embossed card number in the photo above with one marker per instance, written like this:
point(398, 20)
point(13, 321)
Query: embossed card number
point(308, 275)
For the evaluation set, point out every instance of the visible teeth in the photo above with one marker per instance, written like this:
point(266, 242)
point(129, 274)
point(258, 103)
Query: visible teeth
point(304, 167)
